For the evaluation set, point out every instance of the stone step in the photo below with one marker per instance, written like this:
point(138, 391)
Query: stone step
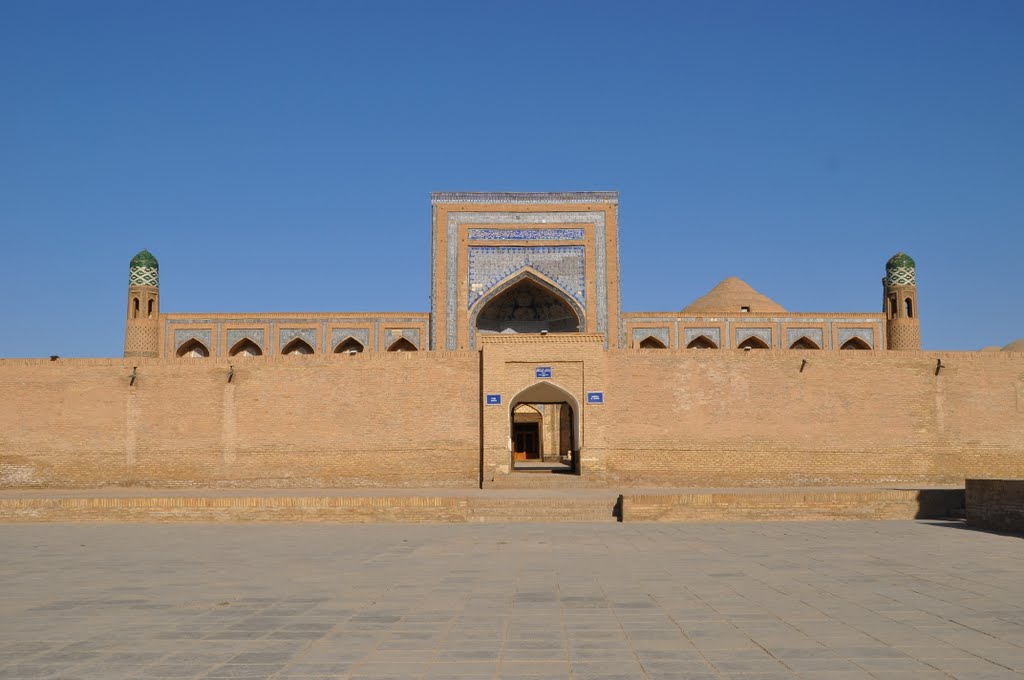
point(274, 508)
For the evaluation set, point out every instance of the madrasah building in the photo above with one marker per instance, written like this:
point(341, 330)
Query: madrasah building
point(525, 372)
point(524, 263)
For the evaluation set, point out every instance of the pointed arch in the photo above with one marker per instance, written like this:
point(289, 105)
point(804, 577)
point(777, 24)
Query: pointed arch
point(297, 346)
point(545, 392)
point(753, 342)
point(855, 343)
point(702, 342)
point(549, 308)
point(402, 345)
point(909, 304)
point(651, 342)
point(348, 346)
point(804, 342)
point(151, 305)
point(193, 349)
point(245, 348)
point(135, 308)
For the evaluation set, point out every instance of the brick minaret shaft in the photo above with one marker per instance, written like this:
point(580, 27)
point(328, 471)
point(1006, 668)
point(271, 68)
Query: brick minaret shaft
point(899, 302)
point(142, 330)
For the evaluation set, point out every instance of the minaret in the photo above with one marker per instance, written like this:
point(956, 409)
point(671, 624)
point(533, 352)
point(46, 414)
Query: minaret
point(902, 325)
point(142, 333)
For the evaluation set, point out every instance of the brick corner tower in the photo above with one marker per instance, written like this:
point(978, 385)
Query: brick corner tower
point(902, 325)
point(142, 331)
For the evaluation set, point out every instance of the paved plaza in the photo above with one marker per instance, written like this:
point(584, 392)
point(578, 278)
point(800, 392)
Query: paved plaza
point(759, 601)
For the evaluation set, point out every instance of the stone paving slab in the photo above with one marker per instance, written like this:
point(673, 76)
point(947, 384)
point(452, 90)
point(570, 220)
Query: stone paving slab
point(749, 601)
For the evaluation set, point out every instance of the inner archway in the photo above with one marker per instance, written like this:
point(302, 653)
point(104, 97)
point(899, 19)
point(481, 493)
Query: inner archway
point(528, 306)
point(543, 430)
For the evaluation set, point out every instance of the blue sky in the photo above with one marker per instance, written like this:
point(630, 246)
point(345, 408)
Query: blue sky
point(278, 156)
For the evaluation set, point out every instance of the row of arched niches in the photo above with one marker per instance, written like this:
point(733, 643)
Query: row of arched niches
point(753, 342)
point(196, 349)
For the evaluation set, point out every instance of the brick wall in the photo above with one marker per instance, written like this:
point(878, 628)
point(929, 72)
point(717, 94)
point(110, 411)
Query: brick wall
point(706, 418)
point(690, 418)
point(408, 419)
point(996, 504)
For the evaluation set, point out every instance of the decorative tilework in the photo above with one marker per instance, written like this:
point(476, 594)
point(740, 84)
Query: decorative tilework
point(525, 234)
point(181, 336)
point(489, 265)
point(254, 334)
point(452, 256)
point(410, 334)
point(712, 334)
point(865, 334)
point(814, 334)
point(288, 334)
point(763, 334)
point(339, 335)
point(565, 197)
point(641, 334)
point(143, 276)
point(901, 276)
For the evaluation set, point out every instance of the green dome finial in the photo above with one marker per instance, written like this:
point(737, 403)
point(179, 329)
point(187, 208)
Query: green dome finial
point(145, 259)
point(900, 259)
point(144, 270)
point(901, 270)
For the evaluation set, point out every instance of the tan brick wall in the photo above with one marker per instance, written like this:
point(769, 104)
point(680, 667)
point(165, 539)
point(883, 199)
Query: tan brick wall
point(670, 418)
point(409, 419)
point(730, 418)
point(996, 504)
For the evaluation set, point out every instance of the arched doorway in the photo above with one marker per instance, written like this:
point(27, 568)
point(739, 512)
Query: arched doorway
point(528, 305)
point(544, 430)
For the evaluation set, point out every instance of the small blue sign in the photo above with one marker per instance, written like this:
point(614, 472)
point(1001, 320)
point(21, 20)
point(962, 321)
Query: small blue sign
point(595, 397)
point(543, 372)
point(493, 399)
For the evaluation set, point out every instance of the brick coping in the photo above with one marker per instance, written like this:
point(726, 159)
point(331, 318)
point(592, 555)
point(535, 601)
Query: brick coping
point(439, 492)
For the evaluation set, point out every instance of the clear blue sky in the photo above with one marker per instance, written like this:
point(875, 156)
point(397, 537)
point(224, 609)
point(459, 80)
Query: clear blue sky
point(278, 156)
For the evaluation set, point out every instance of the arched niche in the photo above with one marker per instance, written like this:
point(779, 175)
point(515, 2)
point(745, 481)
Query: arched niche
point(245, 348)
point(651, 342)
point(702, 342)
point(348, 346)
point(855, 343)
point(527, 304)
point(193, 349)
point(753, 342)
point(402, 345)
point(803, 342)
point(297, 346)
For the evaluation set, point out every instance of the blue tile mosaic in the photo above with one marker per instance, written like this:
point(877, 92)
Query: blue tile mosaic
point(641, 334)
point(288, 334)
point(812, 334)
point(340, 335)
point(865, 334)
point(204, 336)
point(455, 220)
point(410, 334)
point(763, 334)
point(525, 234)
point(489, 265)
point(714, 334)
point(254, 334)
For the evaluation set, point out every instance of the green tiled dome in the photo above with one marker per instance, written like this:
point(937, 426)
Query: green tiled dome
point(144, 270)
point(145, 259)
point(900, 259)
point(901, 270)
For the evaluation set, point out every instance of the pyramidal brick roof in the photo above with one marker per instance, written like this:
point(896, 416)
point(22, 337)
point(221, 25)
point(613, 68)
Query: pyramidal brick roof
point(732, 295)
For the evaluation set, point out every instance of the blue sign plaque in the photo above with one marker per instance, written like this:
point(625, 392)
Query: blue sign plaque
point(543, 372)
point(493, 399)
point(595, 397)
